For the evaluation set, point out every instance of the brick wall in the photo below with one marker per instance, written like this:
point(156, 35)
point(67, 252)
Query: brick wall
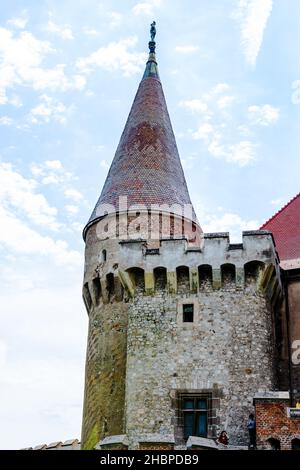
point(272, 422)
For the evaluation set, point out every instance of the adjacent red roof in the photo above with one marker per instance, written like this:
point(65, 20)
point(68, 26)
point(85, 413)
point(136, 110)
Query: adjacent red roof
point(146, 167)
point(285, 226)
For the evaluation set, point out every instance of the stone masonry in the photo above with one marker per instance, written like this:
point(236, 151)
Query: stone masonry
point(142, 357)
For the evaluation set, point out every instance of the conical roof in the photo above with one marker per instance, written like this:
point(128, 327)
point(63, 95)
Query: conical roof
point(146, 167)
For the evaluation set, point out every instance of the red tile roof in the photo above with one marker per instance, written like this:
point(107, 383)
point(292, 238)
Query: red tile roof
point(285, 226)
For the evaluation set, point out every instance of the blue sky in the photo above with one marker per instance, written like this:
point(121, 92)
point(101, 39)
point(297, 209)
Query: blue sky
point(68, 75)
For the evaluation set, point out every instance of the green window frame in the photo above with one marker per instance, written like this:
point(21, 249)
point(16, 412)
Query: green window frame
point(195, 416)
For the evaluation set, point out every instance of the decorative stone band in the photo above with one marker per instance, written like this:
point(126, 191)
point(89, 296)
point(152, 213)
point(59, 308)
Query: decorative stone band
point(151, 226)
point(271, 395)
point(290, 264)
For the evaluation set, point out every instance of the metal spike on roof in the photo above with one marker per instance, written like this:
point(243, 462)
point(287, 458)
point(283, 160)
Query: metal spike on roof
point(146, 167)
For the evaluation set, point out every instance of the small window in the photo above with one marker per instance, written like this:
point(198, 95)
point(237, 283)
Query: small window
point(296, 444)
point(274, 444)
point(188, 313)
point(104, 256)
point(194, 411)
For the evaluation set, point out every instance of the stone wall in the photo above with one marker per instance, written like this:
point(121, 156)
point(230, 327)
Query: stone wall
point(103, 413)
point(142, 356)
point(226, 351)
point(104, 397)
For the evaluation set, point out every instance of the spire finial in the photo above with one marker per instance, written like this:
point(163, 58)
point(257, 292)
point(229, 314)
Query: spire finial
point(153, 30)
point(152, 43)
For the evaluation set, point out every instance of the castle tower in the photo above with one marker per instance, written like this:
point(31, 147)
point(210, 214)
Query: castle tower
point(181, 331)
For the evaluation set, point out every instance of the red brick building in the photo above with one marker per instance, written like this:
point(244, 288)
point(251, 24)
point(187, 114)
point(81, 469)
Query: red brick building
point(276, 429)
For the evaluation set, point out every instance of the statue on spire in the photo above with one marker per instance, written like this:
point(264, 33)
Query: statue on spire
point(153, 31)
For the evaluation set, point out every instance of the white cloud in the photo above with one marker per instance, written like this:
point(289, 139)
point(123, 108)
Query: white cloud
point(104, 164)
point(71, 209)
point(10, 277)
point(187, 49)
point(48, 109)
point(263, 115)
point(15, 101)
point(203, 131)
point(277, 202)
point(51, 172)
point(77, 227)
point(18, 237)
point(5, 121)
point(99, 148)
point(45, 360)
point(18, 194)
point(194, 105)
point(244, 130)
point(242, 153)
point(212, 97)
point(54, 164)
point(189, 161)
point(90, 31)
point(225, 101)
point(51, 179)
point(115, 56)
point(227, 222)
point(220, 219)
point(73, 194)
point(218, 127)
point(252, 17)
point(146, 8)
point(21, 58)
point(18, 22)
point(63, 31)
point(90, 93)
point(220, 88)
point(115, 18)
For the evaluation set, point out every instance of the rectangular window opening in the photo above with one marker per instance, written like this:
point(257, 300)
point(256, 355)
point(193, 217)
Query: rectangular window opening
point(188, 313)
point(195, 414)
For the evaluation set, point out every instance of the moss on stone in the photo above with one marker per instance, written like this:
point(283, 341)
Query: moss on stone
point(92, 439)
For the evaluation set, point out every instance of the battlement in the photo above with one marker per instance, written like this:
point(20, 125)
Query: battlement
point(177, 268)
point(216, 250)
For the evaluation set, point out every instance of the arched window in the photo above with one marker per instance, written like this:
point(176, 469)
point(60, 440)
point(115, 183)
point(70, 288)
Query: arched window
point(103, 256)
point(273, 444)
point(138, 278)
point(228, 274)
point(205, 276)
point(252, 270)
point(183, 279)
point(160, 278)
point(296, 444)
